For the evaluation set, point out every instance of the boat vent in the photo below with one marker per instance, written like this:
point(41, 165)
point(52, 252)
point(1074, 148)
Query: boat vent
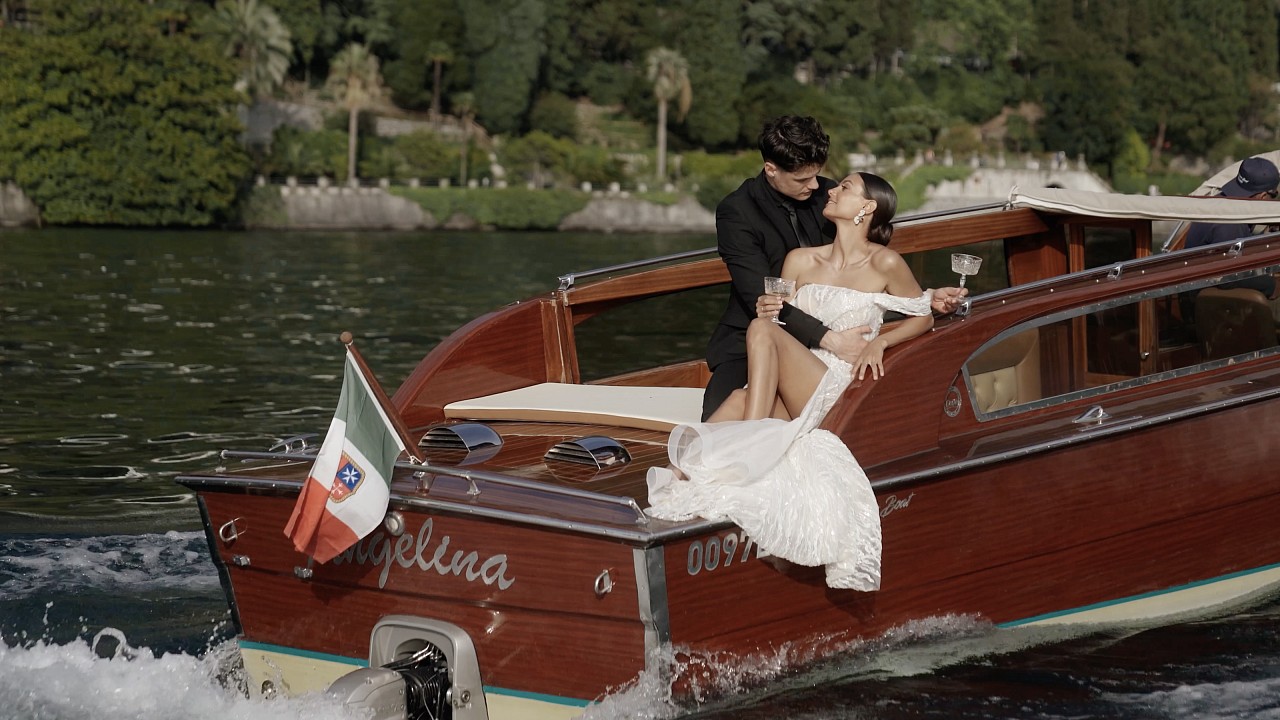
point(597, 450)
point(463, 436)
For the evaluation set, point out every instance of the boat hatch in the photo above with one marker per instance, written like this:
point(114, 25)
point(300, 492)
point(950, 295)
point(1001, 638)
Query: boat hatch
point(418, 668)
point(598, 450)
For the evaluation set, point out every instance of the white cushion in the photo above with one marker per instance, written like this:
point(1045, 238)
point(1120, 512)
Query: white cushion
point(652, 408)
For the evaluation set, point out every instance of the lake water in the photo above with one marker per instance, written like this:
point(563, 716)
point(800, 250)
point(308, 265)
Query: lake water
point(127, 358)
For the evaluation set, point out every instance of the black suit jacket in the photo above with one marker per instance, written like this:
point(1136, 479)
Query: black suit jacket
point(753, 236)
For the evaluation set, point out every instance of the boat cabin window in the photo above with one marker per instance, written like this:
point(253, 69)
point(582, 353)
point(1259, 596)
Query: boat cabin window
point(932, 268)
point(1110, 245)
point(1124, 342)
point(649, 333)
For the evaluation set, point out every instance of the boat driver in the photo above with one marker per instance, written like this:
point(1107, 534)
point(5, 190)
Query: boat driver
point(1257, 179)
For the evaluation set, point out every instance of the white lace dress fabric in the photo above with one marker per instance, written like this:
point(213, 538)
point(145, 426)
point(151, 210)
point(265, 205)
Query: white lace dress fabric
point(796, 490)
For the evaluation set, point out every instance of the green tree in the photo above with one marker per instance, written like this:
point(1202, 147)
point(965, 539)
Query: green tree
point(355, 82)
point(429, 34)
point(107, 119)
point(252, 33)
point(669, 73)
point(979, 34)
point(505, 39)
point(555, 114)
point(707, 33)
point(305, 20)
point(1086, 89)
point(426, 155)
point(1262, 38)
point(848, 35)
point(538, 157)
point(591, 43)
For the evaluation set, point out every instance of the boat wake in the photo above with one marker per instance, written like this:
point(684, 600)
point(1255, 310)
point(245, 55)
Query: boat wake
point(1230, 700)
point(728, 685)
point(152, 562)
point(105, 677)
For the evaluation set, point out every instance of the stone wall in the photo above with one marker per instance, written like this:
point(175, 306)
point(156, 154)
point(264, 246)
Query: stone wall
point(16, 209)
point(345, 208)
point(609, 214)
point(332, 207)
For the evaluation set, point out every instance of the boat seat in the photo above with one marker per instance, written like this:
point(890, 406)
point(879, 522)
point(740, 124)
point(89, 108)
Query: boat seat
point(1007, 373)
point(651, 408)
point(1233, 321)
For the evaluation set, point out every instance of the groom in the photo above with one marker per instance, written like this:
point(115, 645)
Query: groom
point(768, 216)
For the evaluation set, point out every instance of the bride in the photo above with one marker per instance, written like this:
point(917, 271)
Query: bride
point(761, 461)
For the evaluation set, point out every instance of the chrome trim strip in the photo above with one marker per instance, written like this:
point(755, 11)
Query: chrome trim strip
point(950, 212)
point(651, 589)
point(567, 280)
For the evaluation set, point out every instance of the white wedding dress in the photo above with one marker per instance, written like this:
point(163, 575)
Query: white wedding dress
point(796, 490)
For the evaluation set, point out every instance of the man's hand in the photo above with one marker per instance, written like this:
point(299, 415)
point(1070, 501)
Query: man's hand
point(846, 344)
point(946, 300)
point(769, 306)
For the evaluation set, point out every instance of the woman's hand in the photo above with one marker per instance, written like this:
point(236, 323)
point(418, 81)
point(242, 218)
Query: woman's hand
point(946, 300)
point(768, 306)
point(872, 358)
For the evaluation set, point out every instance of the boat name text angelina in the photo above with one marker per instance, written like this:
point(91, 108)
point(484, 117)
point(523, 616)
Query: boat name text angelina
point(410, 550)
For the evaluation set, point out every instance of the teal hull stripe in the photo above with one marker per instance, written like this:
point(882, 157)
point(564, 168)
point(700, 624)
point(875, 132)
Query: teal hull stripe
point(356, 662)
point(1132, 598)
point(303, 653)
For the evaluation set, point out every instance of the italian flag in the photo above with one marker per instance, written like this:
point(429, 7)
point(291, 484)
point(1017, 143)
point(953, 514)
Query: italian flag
point(346, 494)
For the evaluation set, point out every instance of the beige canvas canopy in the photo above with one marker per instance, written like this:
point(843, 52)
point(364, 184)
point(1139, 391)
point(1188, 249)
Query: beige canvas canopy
point(1158, 207)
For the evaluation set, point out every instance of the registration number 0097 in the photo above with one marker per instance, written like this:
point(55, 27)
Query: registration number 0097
point(721, 551)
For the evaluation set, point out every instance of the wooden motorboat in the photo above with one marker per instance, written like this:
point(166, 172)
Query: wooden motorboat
point(1090, 443)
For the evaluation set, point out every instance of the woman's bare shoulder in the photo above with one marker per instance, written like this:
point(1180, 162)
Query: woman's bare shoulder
point(885, 259)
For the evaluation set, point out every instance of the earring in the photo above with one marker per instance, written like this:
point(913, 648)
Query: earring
point(861, 214)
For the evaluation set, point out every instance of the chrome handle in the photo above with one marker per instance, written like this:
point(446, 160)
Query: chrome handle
point(604, 584)
point(230, 532)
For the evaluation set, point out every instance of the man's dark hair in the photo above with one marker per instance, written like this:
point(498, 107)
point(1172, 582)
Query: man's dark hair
point(792, 142)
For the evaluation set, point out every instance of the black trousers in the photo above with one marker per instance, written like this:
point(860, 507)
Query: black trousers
point(727, 377)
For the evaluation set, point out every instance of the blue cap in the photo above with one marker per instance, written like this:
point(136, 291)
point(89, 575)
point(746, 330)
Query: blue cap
point(1255, 175)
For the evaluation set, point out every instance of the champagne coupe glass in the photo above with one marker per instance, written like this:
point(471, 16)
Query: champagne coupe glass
point(965, 265)
point(780, 287)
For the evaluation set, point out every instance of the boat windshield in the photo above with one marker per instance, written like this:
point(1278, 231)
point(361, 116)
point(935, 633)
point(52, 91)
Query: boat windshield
point(1099, 348)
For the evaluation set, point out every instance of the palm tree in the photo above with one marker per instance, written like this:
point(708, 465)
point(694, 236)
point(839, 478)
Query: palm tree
point(439, 53)
point(252, 33)
point(355, 82)
point(669, 73)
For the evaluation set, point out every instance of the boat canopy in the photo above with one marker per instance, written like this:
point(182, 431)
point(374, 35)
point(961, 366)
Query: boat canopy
point(1151, 207)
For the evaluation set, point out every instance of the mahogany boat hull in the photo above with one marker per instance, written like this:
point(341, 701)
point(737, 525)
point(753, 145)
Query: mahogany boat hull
point(1090, 531)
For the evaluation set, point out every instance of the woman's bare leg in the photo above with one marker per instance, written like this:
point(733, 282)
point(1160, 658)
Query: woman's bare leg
point(735, 408)
point(778, 367)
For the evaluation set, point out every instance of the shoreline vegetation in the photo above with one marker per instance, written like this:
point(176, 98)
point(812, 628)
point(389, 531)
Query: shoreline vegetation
point(162, 114)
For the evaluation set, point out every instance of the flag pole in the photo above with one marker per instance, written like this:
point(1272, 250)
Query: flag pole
point(410, 446)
